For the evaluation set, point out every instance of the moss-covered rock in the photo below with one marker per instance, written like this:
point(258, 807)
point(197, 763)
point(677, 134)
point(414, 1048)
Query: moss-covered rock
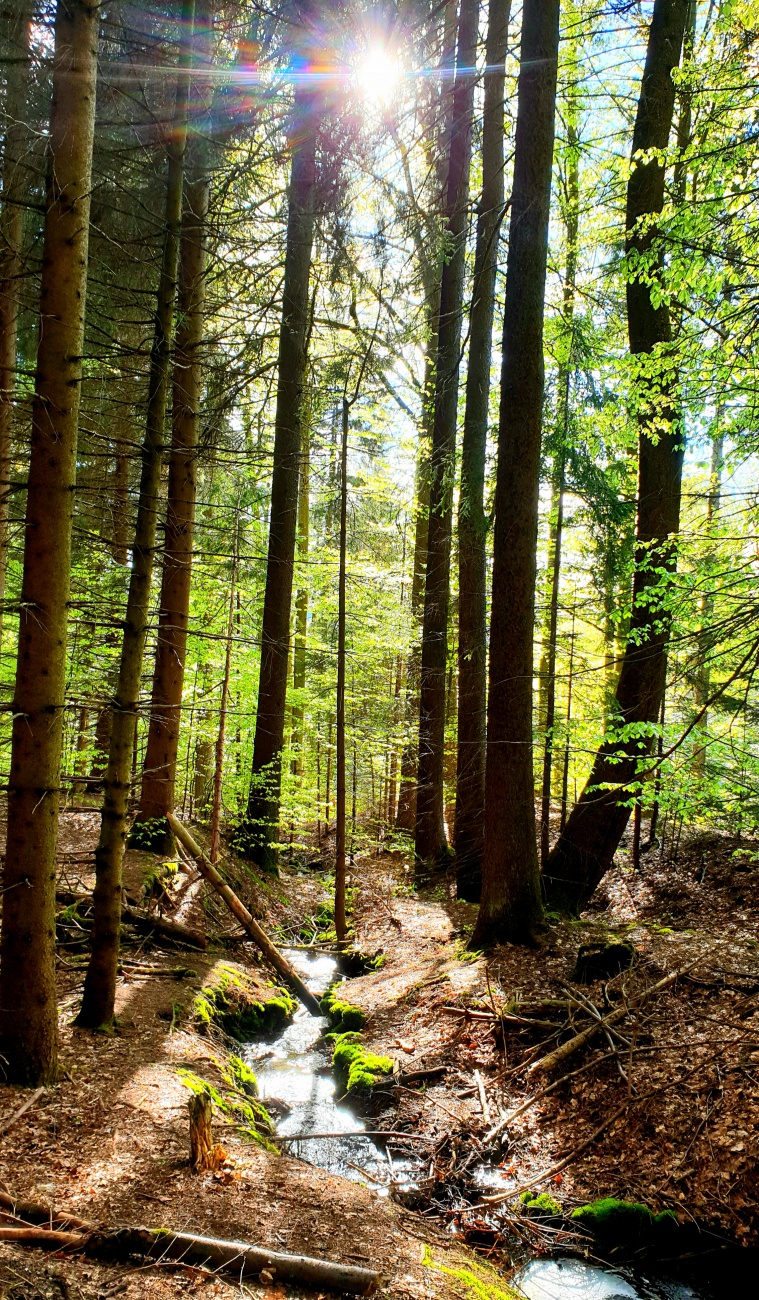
point(357, 1069)
point(235, 1002)
point(541, 1205)
point(624, 1223)
point(343, 1016)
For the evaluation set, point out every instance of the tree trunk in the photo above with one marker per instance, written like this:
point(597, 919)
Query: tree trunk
point(341, 928)
point(563, 388)
point(215, 830)
point(28, 1006)
point(472, 524)
point(587, 845)
point(259, 832)
point(15, 183)
point(511, 906)
point(159, 770)
point(301, 609)
point(702, 682)
point(430, 842)
point(100, 981)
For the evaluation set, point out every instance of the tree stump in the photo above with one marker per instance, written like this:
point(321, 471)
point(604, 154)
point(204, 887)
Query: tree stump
point(204, 1152)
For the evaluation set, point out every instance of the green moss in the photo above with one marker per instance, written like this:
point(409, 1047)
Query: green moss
point(235, 1004)
point(249, 1116)
point(542, 1204)
point(240, 1076)
point(357, 1069)
point(343, 1016)
point(480, 1282)
point(624, 1222)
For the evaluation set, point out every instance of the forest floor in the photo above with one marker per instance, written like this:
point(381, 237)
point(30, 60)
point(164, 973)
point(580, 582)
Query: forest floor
point(666, 1114)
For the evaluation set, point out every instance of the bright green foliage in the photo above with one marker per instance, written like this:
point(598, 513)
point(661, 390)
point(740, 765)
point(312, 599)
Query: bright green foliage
point(343, 1016)
point(250, 1117)
point(234, 1003)
point(240, 1076)
point(356, 1068)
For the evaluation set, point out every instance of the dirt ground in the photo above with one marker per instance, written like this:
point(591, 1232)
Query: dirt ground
point(665, 1114)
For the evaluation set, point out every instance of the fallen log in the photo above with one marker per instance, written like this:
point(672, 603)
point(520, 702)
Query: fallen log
point(143, 921)
point(251, 926)
point(237, 1257)
point(547, 1063)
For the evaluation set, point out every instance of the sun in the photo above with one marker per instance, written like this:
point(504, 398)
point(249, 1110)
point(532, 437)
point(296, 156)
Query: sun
point(378, 74)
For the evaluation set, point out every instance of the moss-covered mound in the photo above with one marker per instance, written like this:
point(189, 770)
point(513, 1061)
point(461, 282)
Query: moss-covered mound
point(343, 1016)
point(235, 1002)
point(357, 1069)
point(625, 1223)
point(249, 1116)
point(541, 1206)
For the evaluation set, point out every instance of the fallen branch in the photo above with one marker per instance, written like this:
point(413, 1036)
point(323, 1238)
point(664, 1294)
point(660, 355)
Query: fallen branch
point(22, 1110)
point(366, 1133)
point(572, 1045)
point(143, 921)
point(237, 1257)
point(238, 909)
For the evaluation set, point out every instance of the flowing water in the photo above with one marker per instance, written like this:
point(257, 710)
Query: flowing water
point(296, 1071)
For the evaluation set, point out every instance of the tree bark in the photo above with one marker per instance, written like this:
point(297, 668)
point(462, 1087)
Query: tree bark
point(472, 525)
point(18, 18)
point(430, 842)
point(215, 829)
point(160, 765)
point(701, 684)
point(257, 836)
point(511, 909)
point(594, 828)
point(28, 1006)
point(341, 926)
point(301, 609)
point(100, 981)
point(563, 389)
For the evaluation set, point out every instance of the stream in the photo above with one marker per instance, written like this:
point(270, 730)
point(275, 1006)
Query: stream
point(296, 1070)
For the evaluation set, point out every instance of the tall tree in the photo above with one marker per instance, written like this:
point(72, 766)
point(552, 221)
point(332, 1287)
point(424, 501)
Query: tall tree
point(258, 834)
point(587, 844)
point(16, 26)
point(511, 907)
point(100, 981)
point(571, 215)
point(28, 1006)
point(472, 524)
point(430, 841)
point(159, 768)
point(702, 677)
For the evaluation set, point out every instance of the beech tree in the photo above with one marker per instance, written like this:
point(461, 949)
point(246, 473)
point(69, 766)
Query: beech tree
point(586, 846)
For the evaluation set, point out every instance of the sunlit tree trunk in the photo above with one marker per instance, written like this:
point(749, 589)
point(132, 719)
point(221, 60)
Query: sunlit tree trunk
point(159, 768)
point(28, 1005)
point(586, 847)
point(430, 841)
point(301, 608)
point(341, 927)
point(510, 907)
point(16, 32)
point(701, 684)
point(100, 980)
point(469, 839)
point(259, 832)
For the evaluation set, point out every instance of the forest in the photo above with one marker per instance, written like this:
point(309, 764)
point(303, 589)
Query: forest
point(379, 727)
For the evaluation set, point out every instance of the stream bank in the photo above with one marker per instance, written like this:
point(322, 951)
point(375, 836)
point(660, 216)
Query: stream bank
point(110, 1141)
